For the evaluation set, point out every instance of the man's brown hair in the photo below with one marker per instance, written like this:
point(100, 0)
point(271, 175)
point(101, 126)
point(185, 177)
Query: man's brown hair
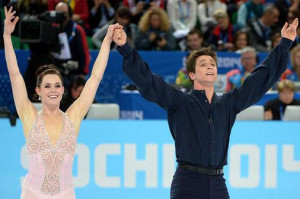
point(192, 58)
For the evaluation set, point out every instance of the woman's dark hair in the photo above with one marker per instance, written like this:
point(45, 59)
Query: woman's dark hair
point(42, 71)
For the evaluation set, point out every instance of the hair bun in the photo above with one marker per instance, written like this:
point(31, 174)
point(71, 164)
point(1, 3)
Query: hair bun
point(43, 68)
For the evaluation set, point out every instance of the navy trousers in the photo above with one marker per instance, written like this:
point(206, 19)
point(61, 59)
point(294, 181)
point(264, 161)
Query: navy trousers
point(188, 184)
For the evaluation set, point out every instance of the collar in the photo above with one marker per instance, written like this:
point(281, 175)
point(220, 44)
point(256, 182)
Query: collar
point(200, 94)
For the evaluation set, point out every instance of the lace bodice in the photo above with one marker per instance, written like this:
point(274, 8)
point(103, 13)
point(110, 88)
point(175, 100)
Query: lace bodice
point(50, 167)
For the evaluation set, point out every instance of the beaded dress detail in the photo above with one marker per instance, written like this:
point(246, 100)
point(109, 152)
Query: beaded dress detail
point(50, 167)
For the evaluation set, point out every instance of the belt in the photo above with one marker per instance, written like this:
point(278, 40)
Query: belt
point(201, 170)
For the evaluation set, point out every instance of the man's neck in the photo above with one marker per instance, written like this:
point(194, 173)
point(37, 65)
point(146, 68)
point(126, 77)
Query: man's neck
point(209, 90)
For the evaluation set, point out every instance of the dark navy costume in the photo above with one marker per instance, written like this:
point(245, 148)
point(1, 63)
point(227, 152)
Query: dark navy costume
point(201, 130)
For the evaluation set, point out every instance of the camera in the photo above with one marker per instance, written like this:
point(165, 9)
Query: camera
point(158, 38)
point(40, 29)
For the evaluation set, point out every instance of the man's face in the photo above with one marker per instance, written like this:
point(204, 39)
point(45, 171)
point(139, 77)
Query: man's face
point(273, 17)
point(205, 70)
point(62, 7)
point(286, 96)
point(248, 61)
point(194, 42)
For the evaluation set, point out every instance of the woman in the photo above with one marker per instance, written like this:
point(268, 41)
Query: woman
point(293, 74)
point(154, 32)
point(240, 41)
point(275, 108)
point(50, 134)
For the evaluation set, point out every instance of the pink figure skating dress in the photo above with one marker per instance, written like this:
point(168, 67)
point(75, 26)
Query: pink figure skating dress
point(50, 167)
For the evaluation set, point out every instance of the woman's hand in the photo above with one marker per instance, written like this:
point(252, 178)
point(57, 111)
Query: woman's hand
point(10, 21)
point(111, 31)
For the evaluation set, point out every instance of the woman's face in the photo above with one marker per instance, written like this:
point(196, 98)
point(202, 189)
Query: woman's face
point(51, 90)
point(155, 21)
point(241, 41)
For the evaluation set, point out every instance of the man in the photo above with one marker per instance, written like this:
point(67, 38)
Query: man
point(235, 77)
point(200, 122)
point(74, 56)
point(259, 30)
point(194, 40)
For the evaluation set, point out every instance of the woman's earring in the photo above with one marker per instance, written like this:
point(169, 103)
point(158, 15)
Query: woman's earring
point(40, 98)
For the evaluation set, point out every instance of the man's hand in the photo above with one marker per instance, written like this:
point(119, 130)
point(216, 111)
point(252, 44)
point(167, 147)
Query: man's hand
point(290, 31)
point(119, 37)
point(111, 31)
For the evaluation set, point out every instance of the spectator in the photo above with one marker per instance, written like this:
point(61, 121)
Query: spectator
point(232, 8)
point(79, 10)
point(194, 40)
point(182, 15)
point(252, 9)
point(101, 12)
point(274, 109)
point(73, 93)
point(123, 17)
point(235, 77)
point(222, 34)
point(206, 12)
point(260, 31)
point(240, 41)
point(293, 74)
point(285, 7)
point(139, 7)
point(74, 57)
point(154, 31)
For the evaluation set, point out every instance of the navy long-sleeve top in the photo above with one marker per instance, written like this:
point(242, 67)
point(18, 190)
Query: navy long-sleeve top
point(201, 130)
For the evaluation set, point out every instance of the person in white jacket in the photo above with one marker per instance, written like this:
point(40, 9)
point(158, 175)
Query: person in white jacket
point(182, 14)
point(206, 13)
